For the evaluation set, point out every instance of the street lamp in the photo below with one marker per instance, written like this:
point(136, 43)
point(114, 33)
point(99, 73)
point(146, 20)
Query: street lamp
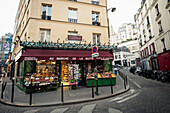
point(112, 9)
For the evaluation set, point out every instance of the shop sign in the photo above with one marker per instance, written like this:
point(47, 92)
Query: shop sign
point(73, 37)
point(95, 54)
point(30, 58)
point(18, 55)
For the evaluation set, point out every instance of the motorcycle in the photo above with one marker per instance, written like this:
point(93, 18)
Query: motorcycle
point(159, 75)
point(165, 77)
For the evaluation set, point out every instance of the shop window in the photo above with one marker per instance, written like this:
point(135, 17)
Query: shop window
point(72, 17)
point(96, 39)
point(45, 35)
point(46, 12)
point(95, 18)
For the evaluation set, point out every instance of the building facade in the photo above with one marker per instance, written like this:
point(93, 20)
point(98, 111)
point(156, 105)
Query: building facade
point(55, 38)
point(5, 49)
point(134, 55)
point(127, 31)
point(153, 32)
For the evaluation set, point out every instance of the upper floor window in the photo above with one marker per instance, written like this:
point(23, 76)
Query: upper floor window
point(46, 12)
point(160, 27)
point(150, 33)
point(44, 35)
point(72, 17)
point(157, 9)
point(96, 39)
point(148, 23)
point(74, 0)
point(95, 19)
point(96, 2)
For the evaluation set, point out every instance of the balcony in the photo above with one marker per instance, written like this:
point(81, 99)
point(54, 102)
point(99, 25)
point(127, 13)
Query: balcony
point(96, 23)
point(44, 17)
point(95, 2)
point(71, 20)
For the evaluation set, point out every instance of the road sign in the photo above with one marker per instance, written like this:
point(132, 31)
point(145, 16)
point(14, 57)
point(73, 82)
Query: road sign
point(95, 54)
point(94, 49)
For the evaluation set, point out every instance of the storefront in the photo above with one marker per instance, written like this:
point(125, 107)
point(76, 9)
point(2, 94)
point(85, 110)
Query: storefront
point(144, 64)
point(164, 61)
point(51, 67)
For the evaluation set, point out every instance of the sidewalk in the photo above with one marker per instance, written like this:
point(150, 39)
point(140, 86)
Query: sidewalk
point(82, 94)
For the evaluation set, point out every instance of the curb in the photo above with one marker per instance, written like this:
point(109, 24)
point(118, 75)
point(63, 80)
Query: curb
point(67, 102)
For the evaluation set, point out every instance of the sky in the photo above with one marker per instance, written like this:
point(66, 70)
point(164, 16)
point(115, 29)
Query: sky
point(125, 11)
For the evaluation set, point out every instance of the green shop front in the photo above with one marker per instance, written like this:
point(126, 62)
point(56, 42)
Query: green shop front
point(48, 67)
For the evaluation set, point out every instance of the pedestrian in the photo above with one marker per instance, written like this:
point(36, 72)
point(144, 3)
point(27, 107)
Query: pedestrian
point(115, 71)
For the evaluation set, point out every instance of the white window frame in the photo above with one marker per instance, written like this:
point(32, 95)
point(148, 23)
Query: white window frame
point(45, 35)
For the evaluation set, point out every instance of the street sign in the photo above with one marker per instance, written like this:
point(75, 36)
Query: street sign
point(94, 49)
point(95, 54)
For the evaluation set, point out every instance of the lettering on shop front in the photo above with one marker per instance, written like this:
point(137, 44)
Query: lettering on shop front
point(62, 58)
point(74, 58)
point(51, 58)
point(30, 58)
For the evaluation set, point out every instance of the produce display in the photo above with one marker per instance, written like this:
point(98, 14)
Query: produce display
point(101, 75)
point(41, 79)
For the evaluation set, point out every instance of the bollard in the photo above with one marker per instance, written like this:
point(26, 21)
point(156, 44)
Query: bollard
point(92, 90)
point(31, 93)
point(124, 83)
point(12, 94)
point(111, 85)
point(97, 93)
point(62, 96)
point(126, 80)
point(3, 89)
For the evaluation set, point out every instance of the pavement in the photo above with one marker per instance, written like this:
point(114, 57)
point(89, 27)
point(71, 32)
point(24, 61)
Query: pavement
point(51, 98)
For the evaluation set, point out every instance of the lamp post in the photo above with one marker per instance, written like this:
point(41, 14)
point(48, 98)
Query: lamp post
point(113, 9)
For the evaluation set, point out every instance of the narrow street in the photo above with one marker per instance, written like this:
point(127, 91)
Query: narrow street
point(144, 96)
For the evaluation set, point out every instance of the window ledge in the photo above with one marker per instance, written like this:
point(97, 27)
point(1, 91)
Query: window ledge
point(167, 5)
point(148, 26)
point(158, 17)
point(160, 32)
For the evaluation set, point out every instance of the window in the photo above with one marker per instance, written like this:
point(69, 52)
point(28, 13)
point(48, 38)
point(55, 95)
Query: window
point(95, 19)
point(96, 39)
point(163, 43)
point(45, 35)
point(46, 12)
point(150, 33)
point(96, 2)
point(148, 23)
point(160, 27)
point(157, 9)
point(132, 61)
point(74, 0)
point(72, 17)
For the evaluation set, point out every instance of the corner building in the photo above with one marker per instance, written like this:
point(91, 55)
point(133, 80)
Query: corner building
point(54, 38)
